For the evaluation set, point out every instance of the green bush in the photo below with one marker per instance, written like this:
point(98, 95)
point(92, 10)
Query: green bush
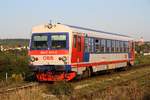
point(13, 62)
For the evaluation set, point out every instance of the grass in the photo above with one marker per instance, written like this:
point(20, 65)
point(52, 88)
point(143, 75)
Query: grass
point(140, 59)
point(99, 87)
point(24, 94)
point(128, 91)
point(132, 90)
point(61, 88)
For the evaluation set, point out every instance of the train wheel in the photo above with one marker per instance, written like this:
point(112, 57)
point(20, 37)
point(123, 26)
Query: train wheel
point(111, 71)
point(126, 68)
point(78, 77)
point(129, 64)
point(87, 73)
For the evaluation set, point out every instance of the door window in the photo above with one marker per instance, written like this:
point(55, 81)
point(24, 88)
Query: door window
point(79, 44)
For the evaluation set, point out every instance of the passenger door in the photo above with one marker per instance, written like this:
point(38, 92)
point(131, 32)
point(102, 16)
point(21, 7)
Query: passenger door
point(77, 49)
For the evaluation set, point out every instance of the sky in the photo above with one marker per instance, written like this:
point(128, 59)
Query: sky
point(128, 17)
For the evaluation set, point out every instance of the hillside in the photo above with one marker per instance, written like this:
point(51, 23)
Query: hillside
point(14, 42)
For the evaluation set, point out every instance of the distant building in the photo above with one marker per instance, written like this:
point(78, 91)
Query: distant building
point(2, 48)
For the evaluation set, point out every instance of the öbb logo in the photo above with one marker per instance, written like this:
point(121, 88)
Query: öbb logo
point(48, 58)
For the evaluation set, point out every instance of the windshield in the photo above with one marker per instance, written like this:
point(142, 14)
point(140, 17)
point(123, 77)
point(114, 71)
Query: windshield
point(39, 42)
point(49, 41)
point(58, 41)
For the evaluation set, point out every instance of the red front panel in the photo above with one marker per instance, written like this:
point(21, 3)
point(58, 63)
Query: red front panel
point(48, 52)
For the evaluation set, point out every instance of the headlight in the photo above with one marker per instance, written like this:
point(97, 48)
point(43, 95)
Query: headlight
point(64, 58)
point(32, 59)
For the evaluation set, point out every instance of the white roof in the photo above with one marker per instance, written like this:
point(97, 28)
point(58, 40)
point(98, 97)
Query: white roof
point(87, 31)
point(101, 34)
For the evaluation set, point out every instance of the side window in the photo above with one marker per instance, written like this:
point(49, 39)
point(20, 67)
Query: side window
point(91, 44)
point(97, 45)
point(117, 46)
point(113, 44)
point(121, 46)
point(103, 45)
point(126, 47)
point(86, 44)
point(108, 45)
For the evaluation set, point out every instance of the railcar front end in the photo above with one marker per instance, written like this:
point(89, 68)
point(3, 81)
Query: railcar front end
point(49, 53)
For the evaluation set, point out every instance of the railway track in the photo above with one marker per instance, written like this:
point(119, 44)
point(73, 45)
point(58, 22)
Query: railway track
point(111, 72)
point(25, 86)
point(31, 85)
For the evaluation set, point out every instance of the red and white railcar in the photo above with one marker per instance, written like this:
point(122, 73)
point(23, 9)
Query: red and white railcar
point(61, 52)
